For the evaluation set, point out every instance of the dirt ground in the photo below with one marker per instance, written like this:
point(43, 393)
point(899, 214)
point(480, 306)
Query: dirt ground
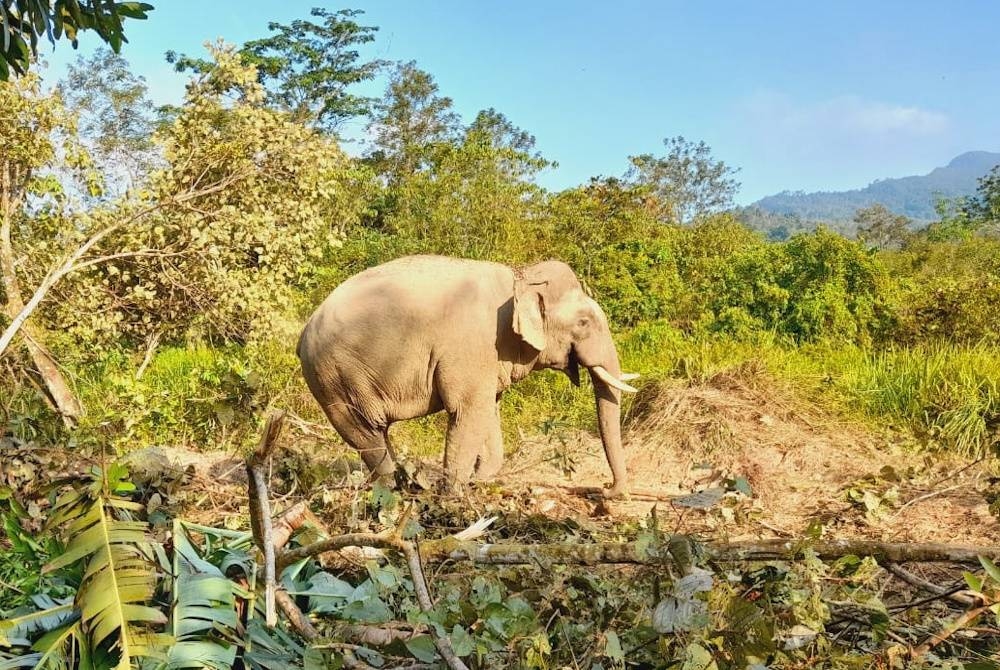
point(734, 457)
point(800, 465)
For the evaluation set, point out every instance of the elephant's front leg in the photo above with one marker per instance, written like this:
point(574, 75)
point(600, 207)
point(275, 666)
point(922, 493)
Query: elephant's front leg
point(469, 428)
point(491, 454)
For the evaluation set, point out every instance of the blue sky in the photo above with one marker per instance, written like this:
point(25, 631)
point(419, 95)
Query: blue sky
point(798, 95)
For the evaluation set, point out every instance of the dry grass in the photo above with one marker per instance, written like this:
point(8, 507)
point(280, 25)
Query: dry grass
point(799, 461)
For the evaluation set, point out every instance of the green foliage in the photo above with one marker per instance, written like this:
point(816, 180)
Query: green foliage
point(468, 198)
point(308, 67)
point(951, 397)
point(312, 65)
point(110, 620)
point(608, 232)
point(985, 206)
point(409, 124)
point(949, 290)
point(24, 22)
point(129, 587)
point(114, 117)
point(210, 397)
point(816, 285)
point(881, 228)
point(274, 199)
point(688, 182)
point(23, 554)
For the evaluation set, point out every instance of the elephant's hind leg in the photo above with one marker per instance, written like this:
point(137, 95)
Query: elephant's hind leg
point(371, 442)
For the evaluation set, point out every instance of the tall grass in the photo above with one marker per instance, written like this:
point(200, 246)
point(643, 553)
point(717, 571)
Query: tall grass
point(947, 396)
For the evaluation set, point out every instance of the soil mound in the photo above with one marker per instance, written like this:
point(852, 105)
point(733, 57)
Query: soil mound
point(766, 463)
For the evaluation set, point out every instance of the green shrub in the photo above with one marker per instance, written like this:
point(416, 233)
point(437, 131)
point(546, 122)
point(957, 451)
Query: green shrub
point(950, 291)
point(194, 396)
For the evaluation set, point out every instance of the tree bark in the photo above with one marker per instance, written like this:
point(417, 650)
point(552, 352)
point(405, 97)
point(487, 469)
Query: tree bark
point(646, 554)
point(59, 393)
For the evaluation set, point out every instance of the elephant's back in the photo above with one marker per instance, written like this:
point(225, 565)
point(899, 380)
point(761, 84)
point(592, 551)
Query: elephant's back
point(406, 300)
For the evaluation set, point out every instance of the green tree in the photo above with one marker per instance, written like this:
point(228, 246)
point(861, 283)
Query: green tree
point(985, 205)
point(687, 180)
point(309, 67)
point(274, 199)
point(957, 222)
point(608, 232)
point(409, 123)
point(38, 137)
point(24, 22)
point(114, 117)
point(470, 199)
point(881, 228)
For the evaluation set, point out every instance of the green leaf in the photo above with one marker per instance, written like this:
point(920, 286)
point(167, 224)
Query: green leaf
point(975, 582)
point(16, 631)
point(990, 568)
point(327, 593)
point(697, 657)
point(613, 646)
point(117, 581)
point(134, 10)
point(422, 648)
point(462, 643)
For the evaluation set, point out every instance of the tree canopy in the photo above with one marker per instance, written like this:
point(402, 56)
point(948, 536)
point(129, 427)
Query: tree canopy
point(687, 180)
point(307, 67)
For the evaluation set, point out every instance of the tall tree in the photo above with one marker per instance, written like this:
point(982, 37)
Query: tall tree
point(985, 205)
point(409, 122)
point(470, 196)
point(881, 228)
point(24, 22)
point(114, 117)
point(687, 180)
point(515, 147)
point(274, 199)
point(308, 67)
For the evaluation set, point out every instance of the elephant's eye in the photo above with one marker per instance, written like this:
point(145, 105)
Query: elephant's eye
point(583, 323)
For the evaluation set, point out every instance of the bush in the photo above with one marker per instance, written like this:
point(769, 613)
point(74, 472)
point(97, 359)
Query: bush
point(950, 291)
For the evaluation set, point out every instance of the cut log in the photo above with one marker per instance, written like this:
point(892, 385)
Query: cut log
point(648, 554)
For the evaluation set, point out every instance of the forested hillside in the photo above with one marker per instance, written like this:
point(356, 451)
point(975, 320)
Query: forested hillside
point(837, 395)
point(915, 197)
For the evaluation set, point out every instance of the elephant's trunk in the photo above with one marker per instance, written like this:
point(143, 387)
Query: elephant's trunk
point(608, 399)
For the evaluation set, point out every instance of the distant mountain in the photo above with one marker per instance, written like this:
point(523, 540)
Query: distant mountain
point(913, 196)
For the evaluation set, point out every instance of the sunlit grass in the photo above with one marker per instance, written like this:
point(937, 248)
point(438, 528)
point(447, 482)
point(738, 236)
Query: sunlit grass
point(947, 397)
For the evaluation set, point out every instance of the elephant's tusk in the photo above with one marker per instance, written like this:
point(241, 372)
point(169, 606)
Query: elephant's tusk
point(629, 376)
point(611, 380)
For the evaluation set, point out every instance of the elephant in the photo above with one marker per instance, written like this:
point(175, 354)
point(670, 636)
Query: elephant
point(422, 334)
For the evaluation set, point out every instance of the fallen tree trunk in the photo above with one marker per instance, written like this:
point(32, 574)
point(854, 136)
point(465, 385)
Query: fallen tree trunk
point(644, 553)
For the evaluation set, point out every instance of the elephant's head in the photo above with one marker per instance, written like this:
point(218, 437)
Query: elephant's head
point(568, 329)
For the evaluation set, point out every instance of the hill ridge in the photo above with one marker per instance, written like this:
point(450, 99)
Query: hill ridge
point(912, 195)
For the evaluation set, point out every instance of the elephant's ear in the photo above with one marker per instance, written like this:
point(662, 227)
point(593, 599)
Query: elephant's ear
point(528, 320)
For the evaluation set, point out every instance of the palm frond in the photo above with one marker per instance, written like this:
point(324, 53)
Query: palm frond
point(118, 579)
point(203, 616)
point(18, 630)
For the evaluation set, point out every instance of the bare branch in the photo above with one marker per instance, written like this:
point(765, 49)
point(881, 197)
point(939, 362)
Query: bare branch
point(921, 583)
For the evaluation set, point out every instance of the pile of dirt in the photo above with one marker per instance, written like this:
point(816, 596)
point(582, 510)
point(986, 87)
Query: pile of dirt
point(775, 464)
